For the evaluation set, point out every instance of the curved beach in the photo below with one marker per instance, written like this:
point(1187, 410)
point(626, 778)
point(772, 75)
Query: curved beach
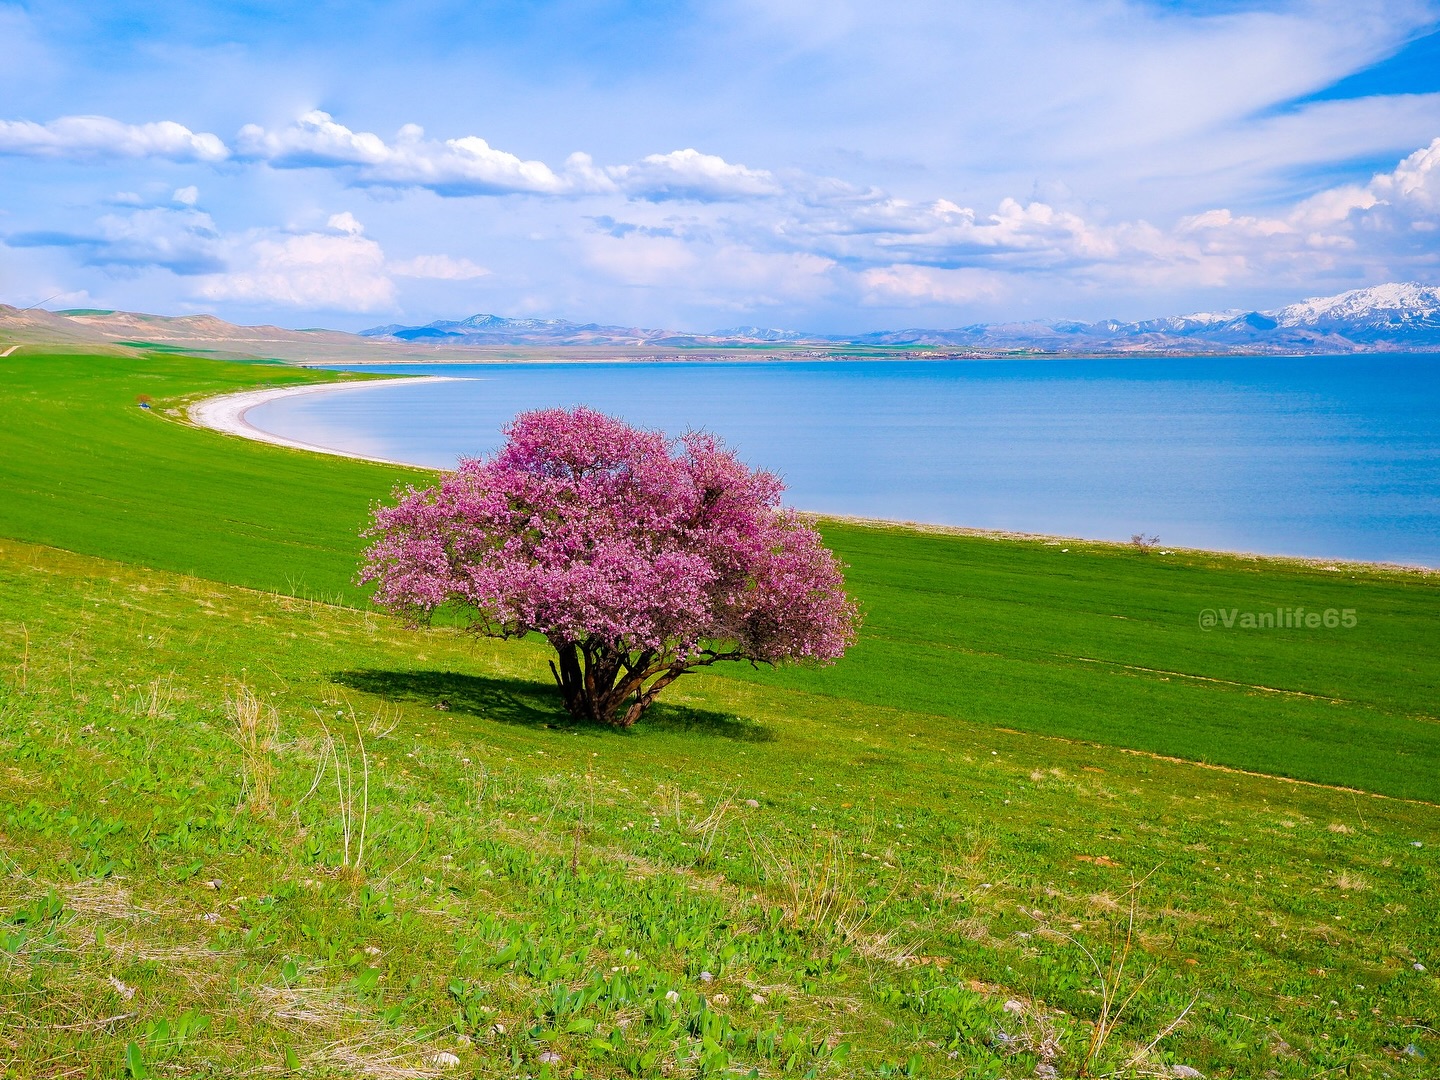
point(226, 413)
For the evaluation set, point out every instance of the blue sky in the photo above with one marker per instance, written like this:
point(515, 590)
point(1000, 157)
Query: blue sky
point(814, 164)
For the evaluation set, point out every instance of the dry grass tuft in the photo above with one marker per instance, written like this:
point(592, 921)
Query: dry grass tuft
point(257, 726)
point(814, 879)
point(369, 1057)
point(156, 702)
point(101, 899)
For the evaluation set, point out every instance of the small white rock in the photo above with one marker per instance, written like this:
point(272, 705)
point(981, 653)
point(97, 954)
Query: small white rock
point(1185, 1072)
point(1418, 966)
point(550, 1057)
point(705, 976)
point(672, 996)
point(499, 1029)
point(758, 999)
point(444, 1060)
point(1013, 1006)
point(752, 803)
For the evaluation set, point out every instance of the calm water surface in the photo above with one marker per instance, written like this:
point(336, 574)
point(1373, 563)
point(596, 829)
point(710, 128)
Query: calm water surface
point(1324, 456)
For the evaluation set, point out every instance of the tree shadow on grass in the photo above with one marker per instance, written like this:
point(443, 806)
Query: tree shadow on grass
point(531, 704)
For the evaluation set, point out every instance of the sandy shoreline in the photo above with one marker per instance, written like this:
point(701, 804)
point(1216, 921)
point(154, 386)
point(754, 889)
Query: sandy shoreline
point(226, 413)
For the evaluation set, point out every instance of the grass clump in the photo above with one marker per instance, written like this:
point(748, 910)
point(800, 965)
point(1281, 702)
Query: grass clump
point(256, 725)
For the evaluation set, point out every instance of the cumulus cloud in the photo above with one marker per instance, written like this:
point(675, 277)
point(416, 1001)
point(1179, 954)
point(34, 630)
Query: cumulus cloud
point(692, 223)
point(689, 174)
point(82, 138)
point(471, 166)
point(337, 270)
point(183, 241)
point(1390, 220)
point(942, 253)
point(464, 166)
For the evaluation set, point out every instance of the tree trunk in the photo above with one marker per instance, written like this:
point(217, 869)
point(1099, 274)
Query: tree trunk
point(598, 684)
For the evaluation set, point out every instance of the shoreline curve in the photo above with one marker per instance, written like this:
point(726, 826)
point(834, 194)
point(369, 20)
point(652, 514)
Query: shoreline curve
point(225, 413)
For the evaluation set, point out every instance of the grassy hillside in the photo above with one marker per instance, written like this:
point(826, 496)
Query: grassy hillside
point(1085, 641)
point(246, 834)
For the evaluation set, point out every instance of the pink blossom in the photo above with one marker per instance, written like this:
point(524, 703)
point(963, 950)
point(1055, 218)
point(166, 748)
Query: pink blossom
point(638, 557)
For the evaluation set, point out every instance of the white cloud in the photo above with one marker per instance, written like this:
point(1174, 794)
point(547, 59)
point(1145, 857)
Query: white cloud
point(340, 270)
point(916, 286)
point(315, 139)
point(689, 174)
point(1389, 221)
point(464, 166)
point(345, 222)
point(184, 241)
point(85, 138)
point(471, 166)
point(438, 268)
point(186, 196)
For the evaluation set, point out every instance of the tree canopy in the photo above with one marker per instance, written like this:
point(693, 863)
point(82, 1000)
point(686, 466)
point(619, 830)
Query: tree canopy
point(639, 558)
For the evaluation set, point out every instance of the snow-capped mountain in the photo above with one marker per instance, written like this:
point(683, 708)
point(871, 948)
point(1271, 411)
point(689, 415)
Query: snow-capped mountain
point(1381, 309)
point(1396, 317)
point(759, 333)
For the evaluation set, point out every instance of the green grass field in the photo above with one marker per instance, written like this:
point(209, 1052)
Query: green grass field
point(1094, 642)
point(936, 877)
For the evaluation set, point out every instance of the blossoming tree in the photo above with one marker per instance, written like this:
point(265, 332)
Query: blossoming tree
point(637, 557)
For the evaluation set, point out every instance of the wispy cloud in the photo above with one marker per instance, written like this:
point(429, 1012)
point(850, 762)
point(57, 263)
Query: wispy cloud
point(438, 268)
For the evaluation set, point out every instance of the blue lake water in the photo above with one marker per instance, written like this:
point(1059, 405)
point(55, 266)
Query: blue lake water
point(1333, 457)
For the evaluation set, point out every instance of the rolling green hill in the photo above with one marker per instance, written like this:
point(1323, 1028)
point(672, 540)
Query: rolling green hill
point(249, 827)
point(1081, 640)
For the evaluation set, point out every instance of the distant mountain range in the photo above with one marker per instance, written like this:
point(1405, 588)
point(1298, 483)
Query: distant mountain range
point(1385, 318)
point(1393, 317)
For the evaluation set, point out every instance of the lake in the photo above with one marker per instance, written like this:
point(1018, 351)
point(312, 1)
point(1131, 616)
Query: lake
point(1331, 457)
